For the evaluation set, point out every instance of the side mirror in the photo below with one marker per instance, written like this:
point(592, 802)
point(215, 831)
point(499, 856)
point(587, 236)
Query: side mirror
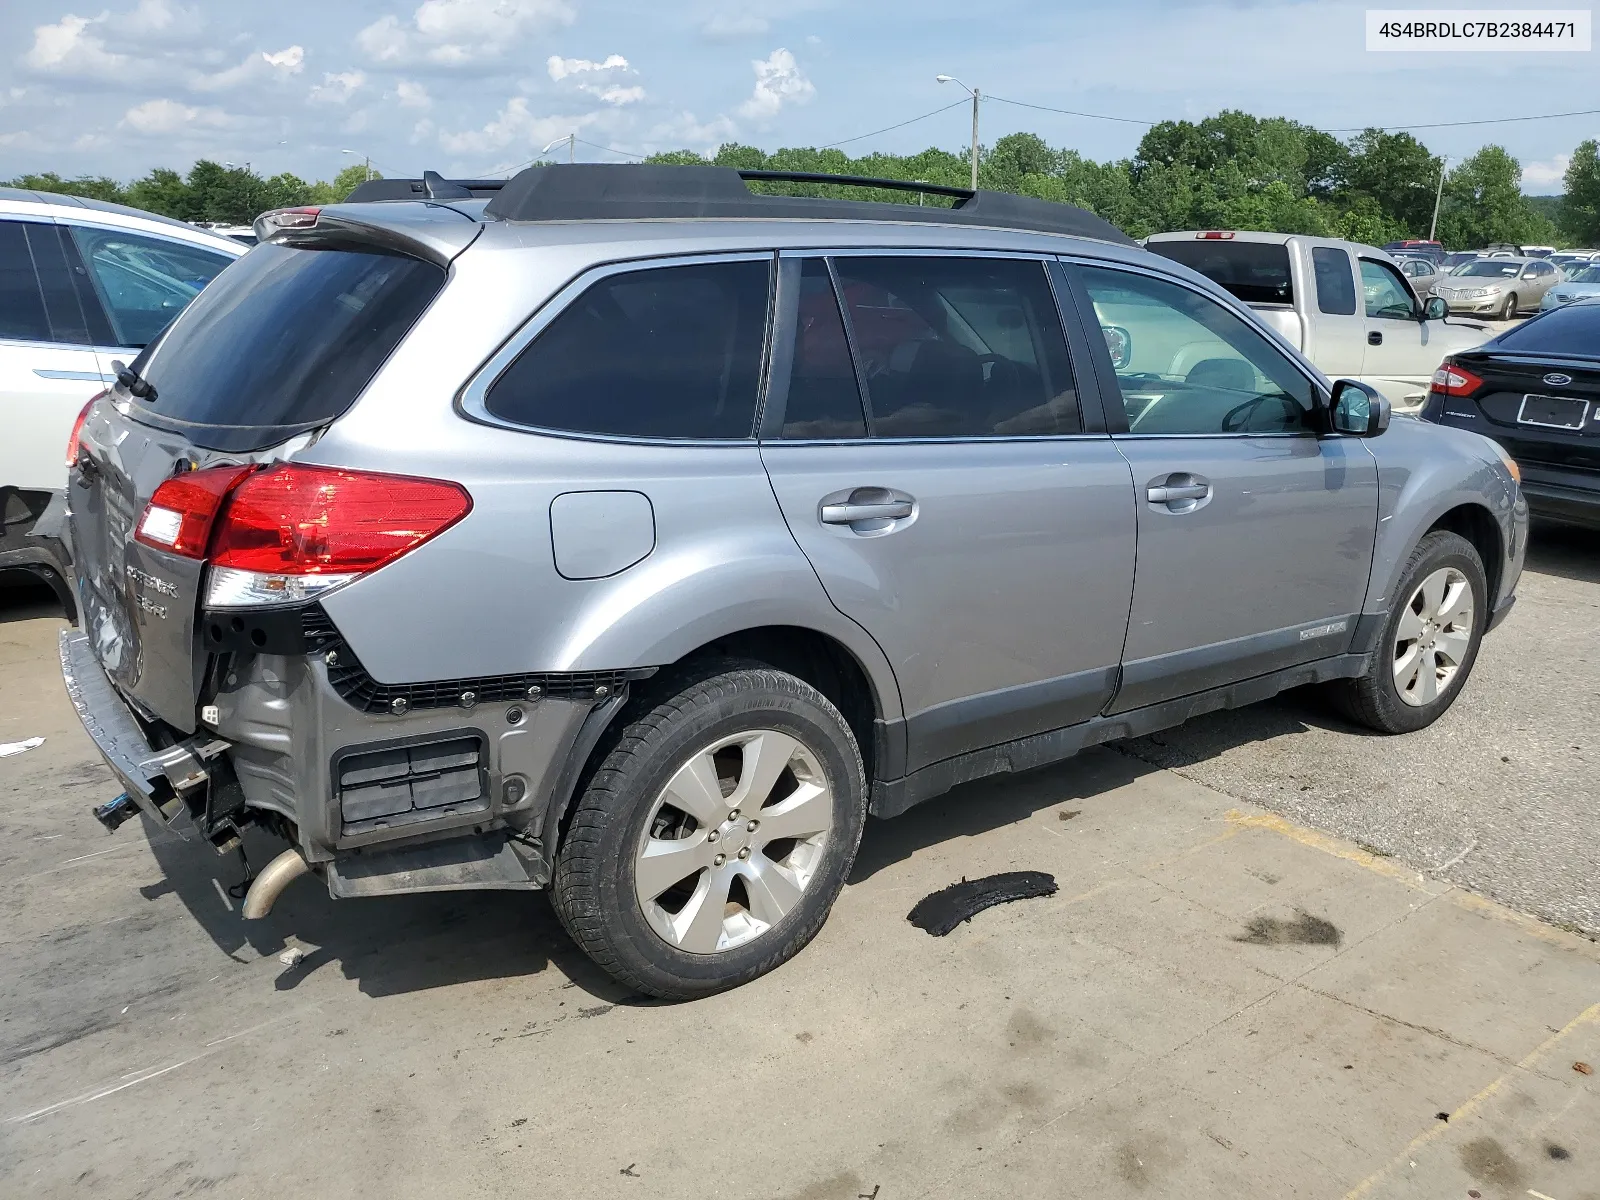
point(1358, 409)
point(1434, 308)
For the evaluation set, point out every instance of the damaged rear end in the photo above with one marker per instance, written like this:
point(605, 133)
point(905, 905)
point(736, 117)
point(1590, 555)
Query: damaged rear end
point(206, 670)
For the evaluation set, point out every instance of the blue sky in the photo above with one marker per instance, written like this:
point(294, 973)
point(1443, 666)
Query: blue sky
point(469, 86)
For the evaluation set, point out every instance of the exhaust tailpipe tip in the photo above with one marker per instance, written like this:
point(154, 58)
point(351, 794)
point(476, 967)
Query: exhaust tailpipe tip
point(269, 884)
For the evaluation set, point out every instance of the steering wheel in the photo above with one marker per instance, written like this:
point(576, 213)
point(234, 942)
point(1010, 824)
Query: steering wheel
point(1238, 417)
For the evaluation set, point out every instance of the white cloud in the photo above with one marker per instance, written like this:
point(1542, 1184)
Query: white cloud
point(71, 46)
point(513, 125)
point(729, 27)
point(454, 32)
point(1546, 174)
point(560, 68)
point(261, 65)
point(686, 129)
point(412, 95)
point(151, 16)
point(779, 81)
point(616, 94)
point(168, 116)
point(337, 87)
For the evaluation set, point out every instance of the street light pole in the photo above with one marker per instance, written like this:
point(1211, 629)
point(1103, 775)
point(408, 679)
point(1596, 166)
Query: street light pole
point(976, 98)
point(1437, 196)
point(365, 158)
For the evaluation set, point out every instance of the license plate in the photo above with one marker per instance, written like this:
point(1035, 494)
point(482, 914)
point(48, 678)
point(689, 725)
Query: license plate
point(1553, 412)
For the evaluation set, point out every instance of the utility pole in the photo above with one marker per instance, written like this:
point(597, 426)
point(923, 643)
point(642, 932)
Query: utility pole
point(976, 98)
point(572, 147)
point(1437, 196)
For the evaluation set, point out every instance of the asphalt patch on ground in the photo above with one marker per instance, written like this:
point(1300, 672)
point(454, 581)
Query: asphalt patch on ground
point(941, 911)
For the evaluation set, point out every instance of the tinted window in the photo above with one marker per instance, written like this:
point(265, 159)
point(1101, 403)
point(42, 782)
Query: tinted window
point(75, 314)
point(823, 399)
point(284, 338)
point(22, 313)
point(668, 352)
point(1586, 275)
point(1256, 272)
point(1385, 292)
point(959, 347)
point(1336, 288)
point(1187, 365)
point(1572, 329)
point(144, 282)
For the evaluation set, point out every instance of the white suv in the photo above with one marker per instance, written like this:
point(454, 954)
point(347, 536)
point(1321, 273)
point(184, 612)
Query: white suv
point(82, 283)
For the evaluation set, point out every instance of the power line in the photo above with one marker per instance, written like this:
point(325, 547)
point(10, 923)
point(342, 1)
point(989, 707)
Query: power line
point(1588, 112)
point(1068, 112)
point(612, 149)
point(888, 128)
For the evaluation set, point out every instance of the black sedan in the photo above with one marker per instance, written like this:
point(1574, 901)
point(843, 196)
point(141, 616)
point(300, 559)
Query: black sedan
point(1535, 389)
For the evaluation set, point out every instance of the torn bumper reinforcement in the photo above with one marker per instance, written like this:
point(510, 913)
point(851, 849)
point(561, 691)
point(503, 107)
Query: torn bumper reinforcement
point(158, 781)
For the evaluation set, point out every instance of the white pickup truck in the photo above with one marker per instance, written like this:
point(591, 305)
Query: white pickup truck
point(1345, 306)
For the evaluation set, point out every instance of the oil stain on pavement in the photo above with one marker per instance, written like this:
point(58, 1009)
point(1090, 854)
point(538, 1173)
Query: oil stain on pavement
point(1303, 930)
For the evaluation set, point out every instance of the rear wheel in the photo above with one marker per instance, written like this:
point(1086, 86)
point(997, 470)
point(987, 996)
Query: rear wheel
point(1428, 644)
point(1509, 311)
point(713, 839)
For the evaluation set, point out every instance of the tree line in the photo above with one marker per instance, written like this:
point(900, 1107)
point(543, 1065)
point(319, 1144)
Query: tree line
point(1229, 171)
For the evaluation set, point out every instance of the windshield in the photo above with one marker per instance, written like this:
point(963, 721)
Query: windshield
point(1255, 272)
point(1586, 275)
point(1455, 260)
point(1489, 268)
point(283, 340)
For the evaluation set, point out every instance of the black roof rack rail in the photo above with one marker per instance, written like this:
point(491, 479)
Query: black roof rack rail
point(642, 191)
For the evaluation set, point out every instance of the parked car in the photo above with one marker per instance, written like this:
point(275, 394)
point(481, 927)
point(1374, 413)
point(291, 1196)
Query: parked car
point(1501, 287)
point(514, 537)
point(245, 235)
point(1574, 260)
point(1535, 389)
point(1422, 273)
point(1578, 285)
point(1538, 251)
point(1416, 248)
point(1346, 307)
point(82, 284)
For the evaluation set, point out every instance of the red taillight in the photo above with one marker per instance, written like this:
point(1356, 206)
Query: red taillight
point(303, 520)
point(180, 515)
point(1452, 379)
point(291, 218)
point(77, 428)
point(1214, 235)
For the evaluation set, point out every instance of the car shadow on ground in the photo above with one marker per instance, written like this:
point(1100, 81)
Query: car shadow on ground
point(1564, 551)
point(24, 598)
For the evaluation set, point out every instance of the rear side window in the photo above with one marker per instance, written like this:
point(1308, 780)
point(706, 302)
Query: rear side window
point(1336, 289)
point(823, 400)
point(1572, 329)
point(44, 292)
point(143, 281)
point(666, 352)
point(959, 347)
point(283, 339)
point(1255, 272)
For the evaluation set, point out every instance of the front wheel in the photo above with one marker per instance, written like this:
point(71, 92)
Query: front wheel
point(1429, 643)
point(713, 839)
point(1509, 310)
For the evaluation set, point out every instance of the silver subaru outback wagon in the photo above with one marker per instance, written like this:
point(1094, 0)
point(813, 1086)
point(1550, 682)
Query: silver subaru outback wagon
point(623, 532)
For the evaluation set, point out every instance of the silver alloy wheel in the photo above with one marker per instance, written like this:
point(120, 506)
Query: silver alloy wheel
point(733, 841)
point(1433, 637)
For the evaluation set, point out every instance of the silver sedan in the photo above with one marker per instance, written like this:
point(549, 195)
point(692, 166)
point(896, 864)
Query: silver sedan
point(1500, 287)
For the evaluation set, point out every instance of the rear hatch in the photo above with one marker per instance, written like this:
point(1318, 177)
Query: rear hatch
point(279, 345)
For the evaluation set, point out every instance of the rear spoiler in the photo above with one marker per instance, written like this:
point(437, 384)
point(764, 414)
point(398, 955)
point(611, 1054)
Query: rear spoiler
point(349, 227)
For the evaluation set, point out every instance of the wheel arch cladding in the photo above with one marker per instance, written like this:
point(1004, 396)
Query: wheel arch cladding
point(817, 658)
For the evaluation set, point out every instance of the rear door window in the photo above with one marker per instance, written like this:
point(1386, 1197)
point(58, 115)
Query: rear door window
point(143, 281)
point(959, 347)
point(284, 340)
point(44, 292)
point(22, 315)
point(1255, 272)
point(1336, 289)
point(665, 352)
point(823, 399)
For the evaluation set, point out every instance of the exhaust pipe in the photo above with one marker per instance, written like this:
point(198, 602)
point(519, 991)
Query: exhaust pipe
point(268, 886)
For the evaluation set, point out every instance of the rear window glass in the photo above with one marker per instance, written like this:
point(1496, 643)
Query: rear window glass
point(1573, 329)
point(667, 352)
point(1255, 272)
point(283, 339)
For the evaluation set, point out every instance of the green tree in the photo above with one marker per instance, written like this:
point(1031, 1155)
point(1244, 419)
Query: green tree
point(1395, 171)
point(1580, 205)
point(1483, 203)
point(95, 187)
point(164, 191)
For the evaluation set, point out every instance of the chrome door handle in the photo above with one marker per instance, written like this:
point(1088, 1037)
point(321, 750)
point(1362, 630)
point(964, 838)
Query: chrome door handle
point(849, 514)
point(1184, 491)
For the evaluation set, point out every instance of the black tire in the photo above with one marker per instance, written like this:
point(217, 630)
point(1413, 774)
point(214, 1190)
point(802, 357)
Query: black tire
point(1374, 700)
point(1509, 311)
point(593, 890)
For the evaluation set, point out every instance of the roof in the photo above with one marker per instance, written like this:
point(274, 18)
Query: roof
point(29, 196)
point(630, 192)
